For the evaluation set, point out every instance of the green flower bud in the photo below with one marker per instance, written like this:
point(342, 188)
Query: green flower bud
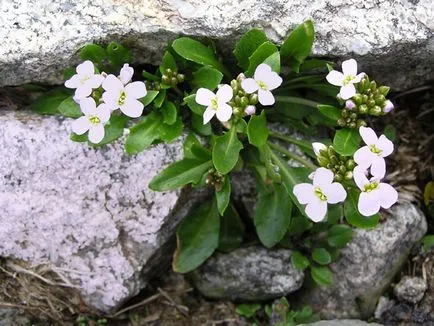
point(384, 90)
point(365, 98)
point(363, 109)
point(341, 122)
point(165, 80)
point(241, 77)
point(361, 123)
point(338, 178)
point(376, 111)
point(244, 101)
point(180, 77)
point(342, 170)
point(373, 85)
point(237, 99)
point(234, 85)
point(168, 72)
point(334, 159)
point(345, 113)
point(322, 161)
point(253, 99)
point(329, 166)
point(173, 81)
point(353, 115)
point(237, 111)
point(357, 99)
point(331, 151)
point(380, 99)
point(348, 175)
point(371, 103)
point(241, 92)
point(352, 125)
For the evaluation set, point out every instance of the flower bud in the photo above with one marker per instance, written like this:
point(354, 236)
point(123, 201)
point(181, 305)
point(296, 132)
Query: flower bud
point(244, 101)
point(338, 178)
point(365, 98)
point(373, 85)
point(350, 164)
point(353, 115)
point(363, 109)
point(342, 170)
point(361, 123)
point(241, 77)
point(379, 98)
point(165, 80)
point(237, 99)
point(173, 81)
point(318, 147)
point(253, 99)
point(352, 125)
point(234, 84)
point(331, 151)
point(341, 122)
point(334, 160)
point(358, 99)
point(344, 113)
point(384, 90)
point(168, 72)
point(250, 110)
point(350, 105)
point(180, 77)
point(324, 162)
point(348, 175)
point(388, 106)
point(376, 111)
point(371, 103)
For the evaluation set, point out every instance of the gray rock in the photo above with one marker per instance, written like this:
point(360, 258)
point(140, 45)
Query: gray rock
point(13, 317)
point(87, 212)
point(248, 274)
point(368, 265)
point(39, 38)
point(410, 289)
point(343, 322)
point(384, 304)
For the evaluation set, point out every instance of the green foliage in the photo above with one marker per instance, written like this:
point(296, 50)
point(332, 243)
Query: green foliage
point(69, 108)
point(231, 230)
point(49, 102)
point(352, 214)
point(168, 62)
point(223, 195)
point(339, 235)
point(226, 151)
point(143, 134)
point(299, 261)
point(428, 242)
point(197, 237)
point(206, 77)
point(247, 44)
point(321, 256)
point(247, 310)
point(257, 130)
point(264, 51)
point(93, 52)
point(330, 112)
point(321, 275)
point(118, 54)
point(346, 141)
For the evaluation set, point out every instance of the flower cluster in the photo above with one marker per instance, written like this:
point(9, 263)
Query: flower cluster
point(241, 96)
point(100, 94)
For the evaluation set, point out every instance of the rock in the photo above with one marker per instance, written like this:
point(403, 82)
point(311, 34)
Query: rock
point(87, 212)
point(392, 38)
point(410, 289)
point(383, 305)
point(15, 317)
point(367, 266)
point(342, 322)
point(248, 274)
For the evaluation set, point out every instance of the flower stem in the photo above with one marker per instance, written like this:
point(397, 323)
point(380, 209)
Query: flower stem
point(292, 156)
point(297, 100)
point(178, 91)
point(288, 139)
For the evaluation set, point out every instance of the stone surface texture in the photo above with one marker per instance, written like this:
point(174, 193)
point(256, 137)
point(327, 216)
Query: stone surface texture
point(410, 289)
point(391, 38)
point(248, 274)
point(13, 317)
point(86, 211)
point(342, 322)
point(367, 266)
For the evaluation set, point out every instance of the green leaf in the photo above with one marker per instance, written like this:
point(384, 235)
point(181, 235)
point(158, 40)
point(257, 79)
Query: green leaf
point(159, 99)
point(48, 103)
point(223, 195)
point(69, 108)
point(274, 62)
point(194, 149)
point(193, 105)
point(310, 64)
point(248, 44)
point(321, 275)
point(352, 214)
point(241, 126)
point(346, 141)
point(195, 51)
point(390, 132)
point(197, 237)
point(334, 213)
point(298, 45)
point(143, 134)
point(247, 310)
point(197, 124)
point(113, 130)
point(428, 242)
point(299, 261)
point(171, 132)
point(117, 54)
point(339, 235)
point(226, 151)
point(262, 52)
point(257, 130)
point(321, 256)
point(78, 138)
point(206, 77)
point(330, 112)
point(231, 230)
point(299, 225)
point(180, 173)
point(168, 62)
point(273, 216)
point(93, 52)
point(149, 76)
point(150, 96)
point(170, 113)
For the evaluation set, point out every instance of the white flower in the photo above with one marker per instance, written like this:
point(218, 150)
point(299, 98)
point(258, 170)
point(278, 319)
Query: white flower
point(375, 194)
point(84, 80)
point(93, 120)
point(388, 106)
point(350, 105)
point(372, 155)
point(263, 81)
point(317, 147)
point(126, 74)
point(217, 104)
point(124, 97)
point(250, 110)
point(347, 79)
point(317, 195)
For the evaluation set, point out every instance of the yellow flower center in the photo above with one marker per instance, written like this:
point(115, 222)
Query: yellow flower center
point(374, 149)
point(122, 98)
point(84, 80)
point(348, 79)
point(214, 103)
point(262, 85)
point(320, 194)
point(93, 119)
point(371, 186)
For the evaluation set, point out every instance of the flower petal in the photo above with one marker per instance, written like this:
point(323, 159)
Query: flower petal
point(385, 145)
point(265, 97)
point(347, 91)
point(135, 90)
point(224, 112)
point(132, 108)
point(204, 96)
point(364, 157)
point(96, 133)
point(88, 106)
point(126, 74)
point(112, 84)
point(359, 174)
point(95, 81)
point(208, 115)
point(368, 203)
point(378, 168)
point(249, 85)
point(272, 80)
point(81, 125)
point(103, 112)
point(387, 194)
point(323, 177)
point(225, 93)
point(317, 147)
point(317, 210)
point(111, 98)
point(73, 82)
point(86, 68)
point(368, 136)
point(335, 77)
point(349, 67)
point(262, 71)
point(358, 78)
point(334, 192)
point(305, 193)
point(83, 91)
